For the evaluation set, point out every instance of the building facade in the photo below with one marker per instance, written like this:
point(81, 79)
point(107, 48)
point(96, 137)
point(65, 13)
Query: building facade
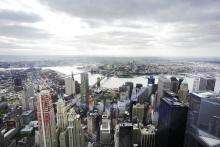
point(46, 119)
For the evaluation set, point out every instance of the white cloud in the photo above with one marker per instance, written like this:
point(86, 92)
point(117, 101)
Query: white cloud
point(118, 28)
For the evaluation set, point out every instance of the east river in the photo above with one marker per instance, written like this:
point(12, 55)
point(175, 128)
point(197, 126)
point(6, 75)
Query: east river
point(115, 82)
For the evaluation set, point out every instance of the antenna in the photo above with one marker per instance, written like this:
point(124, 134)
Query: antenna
point(72, 76)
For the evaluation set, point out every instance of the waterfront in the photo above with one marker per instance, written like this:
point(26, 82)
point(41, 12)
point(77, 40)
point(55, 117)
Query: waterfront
point(115, 82)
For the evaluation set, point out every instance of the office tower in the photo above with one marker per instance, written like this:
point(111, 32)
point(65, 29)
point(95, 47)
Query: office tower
point(136, 134)
point(32, 103)
point(91, 103)
point(180, 82)
point(204, 83)
point(149, 92)
point(203, 128)
point(153, 101)
point(70, 88)
point(2, 139)
point(130, 86)
point(25, 103)
point(105, 134)
point(138, 112)
point(163, 85)
point(27, 93)
point(63, 138)
point(46, 119)
point(28, 116)
point(75, 132)
point(121, 107)
point(151, 80)
point(18, 84)
point(123, 93)
point(116, 136)
point(174, 84)
point(92, 122)
point(29, 90)
point(142, 94)
point(61, 114)
point(171, 123)
point(148, 137)
point(183, 91)
point(84, 88)
point(18, 81)
point(98, 82)
point(125, 135)
point(114, 115)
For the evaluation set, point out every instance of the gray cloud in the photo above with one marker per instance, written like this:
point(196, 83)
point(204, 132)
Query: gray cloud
point(112, 39)
point(7, 16)
point(159, 10)
point(22, 32)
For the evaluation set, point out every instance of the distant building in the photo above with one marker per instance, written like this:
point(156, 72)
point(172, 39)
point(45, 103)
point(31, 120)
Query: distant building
point(129, 86)
point(70, 87)
point(32, 103)
point(151, 80)
point(123, 93)
point(63, 138)
point(2, 139)
point(28, 116)
point(61, 114)
point(29, 90)
point(183, 91)
point(136, 134)
point(105, 134)
point(174, 84)
point(92, 122)
point(116, 136)
point(125, 135)
point(46, 119)
point(204, 83)
point(203, 123)
point(138, 111)
point(18, 81)
point(98, 82)
point(171, 123)
point(18, 84)
point(148, 137)
point(76, 137)
point(84, 88)
point(163, 85)
point(28, 93)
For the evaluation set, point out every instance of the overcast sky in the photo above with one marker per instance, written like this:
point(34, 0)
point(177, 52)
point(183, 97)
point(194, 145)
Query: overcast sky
point(110, 27)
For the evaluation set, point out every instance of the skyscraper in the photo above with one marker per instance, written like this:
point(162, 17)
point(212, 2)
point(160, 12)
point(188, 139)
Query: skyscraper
point(76, 137)
point(148, 137)
point(138, 111)
point(151, 80)
point(203, 123)
point(70, 88)
point(172, 123)
point(84, 87)
point(28, 93)
point(61, 114)
point(183, 91)
point(92, 122)
point(46, 119)
point(174, 84)
point(163, 85)
point(105, 134)
point(204, 83)
point(125, 135)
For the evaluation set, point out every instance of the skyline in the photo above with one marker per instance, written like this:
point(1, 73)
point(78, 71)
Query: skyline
point(110, 28)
